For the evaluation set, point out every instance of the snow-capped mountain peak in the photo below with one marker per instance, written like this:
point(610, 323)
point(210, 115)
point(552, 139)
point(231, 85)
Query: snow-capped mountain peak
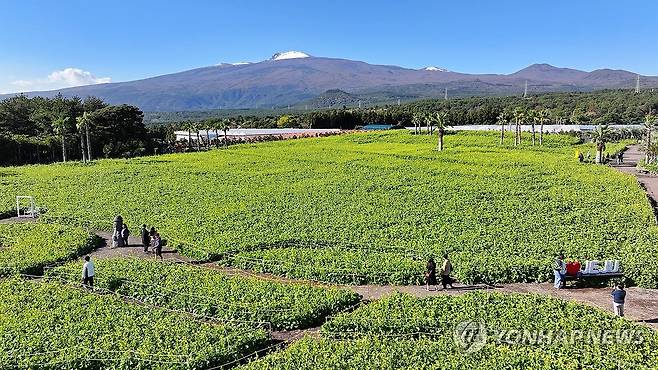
point(435, 69)
point(289, 55)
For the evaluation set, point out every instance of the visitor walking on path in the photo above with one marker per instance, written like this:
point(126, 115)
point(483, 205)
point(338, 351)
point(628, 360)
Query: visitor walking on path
point(88, 272)
point(157, 246)
point(446, 270)
point(430, 274)
point(125, 233)
point(618, 299)
point(116, 239)
point(559, 270)
point(146, 238)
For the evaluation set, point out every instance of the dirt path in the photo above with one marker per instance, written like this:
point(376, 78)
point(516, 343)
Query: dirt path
point(641, 304)
point(134, 249)
point(649, 182)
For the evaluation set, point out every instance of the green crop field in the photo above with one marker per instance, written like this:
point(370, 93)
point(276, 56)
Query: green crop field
point(28, 248)
point(207, 292)
point(381, 202)
point(47, 325)
point(402, 332)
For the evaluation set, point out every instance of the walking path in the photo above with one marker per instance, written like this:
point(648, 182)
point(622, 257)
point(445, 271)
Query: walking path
point(632, 157)
point(641, 305)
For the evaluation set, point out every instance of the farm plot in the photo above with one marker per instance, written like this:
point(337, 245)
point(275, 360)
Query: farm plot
point(508, 331)
point(502, 212)
point(207, 292)
point(48, 325)
point(26, 248)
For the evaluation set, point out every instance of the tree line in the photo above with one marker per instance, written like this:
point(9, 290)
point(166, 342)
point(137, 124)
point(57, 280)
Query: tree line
point(600, 107)
point(43, 130)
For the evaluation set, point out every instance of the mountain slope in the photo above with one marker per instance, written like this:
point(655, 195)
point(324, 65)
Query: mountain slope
point(293, 77)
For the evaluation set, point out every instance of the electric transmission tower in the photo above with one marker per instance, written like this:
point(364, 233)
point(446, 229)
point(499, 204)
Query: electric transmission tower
point(637, 85)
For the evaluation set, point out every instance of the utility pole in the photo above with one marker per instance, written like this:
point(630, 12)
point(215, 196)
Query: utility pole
point(525, 92)
point(637, 84)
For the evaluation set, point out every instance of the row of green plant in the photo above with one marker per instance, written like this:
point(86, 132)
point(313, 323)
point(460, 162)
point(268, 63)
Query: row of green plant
point(404, 354)
point(477, 330)
point(334, 264)
point(26, 248)
point(209, 292)
point(49, 325)
point(502, 212)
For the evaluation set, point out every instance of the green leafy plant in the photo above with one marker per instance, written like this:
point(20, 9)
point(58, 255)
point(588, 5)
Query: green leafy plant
point(208, 292)
point(501, 211)
point(50, 325)
point(26, 248)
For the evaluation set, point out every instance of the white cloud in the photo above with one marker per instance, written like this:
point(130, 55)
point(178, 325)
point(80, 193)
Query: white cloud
point(67, 77)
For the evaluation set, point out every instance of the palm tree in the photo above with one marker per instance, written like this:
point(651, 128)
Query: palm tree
point(197, 127)
point(649, 127)
point(59, 126)
point(82, 123)
point(544, 116)
point(80, 127)
point(503, 118)
point(225, 126)
point(532, 117)
point(216, 123)
point(600, 137)
point(417, 120)
point(519, 116)
point(188, 125)
point(441, 120)
point(207, 127)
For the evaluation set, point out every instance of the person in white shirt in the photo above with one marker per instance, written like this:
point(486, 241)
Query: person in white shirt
point(559, 270)
point(88, 272)
point(446, 270)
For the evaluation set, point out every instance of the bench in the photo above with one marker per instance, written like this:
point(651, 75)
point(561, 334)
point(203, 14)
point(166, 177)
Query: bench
point(590, 279)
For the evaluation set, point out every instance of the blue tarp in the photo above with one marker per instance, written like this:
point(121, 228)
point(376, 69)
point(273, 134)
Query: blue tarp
point(377, 126)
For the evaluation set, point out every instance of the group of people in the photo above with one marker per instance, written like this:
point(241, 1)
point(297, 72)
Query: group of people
point(446, 270)
point(560, 272)
point(120, 237)
point(151, 238)
point(619, 157)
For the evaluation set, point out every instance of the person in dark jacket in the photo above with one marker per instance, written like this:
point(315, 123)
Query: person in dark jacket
point(430, 274)
point(618, 299)
point(446, 270)
point(146, 238)
point(157, 246)
point(125, 233)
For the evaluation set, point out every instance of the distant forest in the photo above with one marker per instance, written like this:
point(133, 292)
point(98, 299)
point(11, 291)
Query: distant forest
point(607, 106)
point(43, 130)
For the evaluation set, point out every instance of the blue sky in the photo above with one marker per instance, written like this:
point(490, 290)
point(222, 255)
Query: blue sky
point(50, 44)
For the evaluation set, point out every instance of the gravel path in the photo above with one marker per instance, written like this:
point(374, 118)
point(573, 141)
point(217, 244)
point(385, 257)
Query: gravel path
point(649, 182)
